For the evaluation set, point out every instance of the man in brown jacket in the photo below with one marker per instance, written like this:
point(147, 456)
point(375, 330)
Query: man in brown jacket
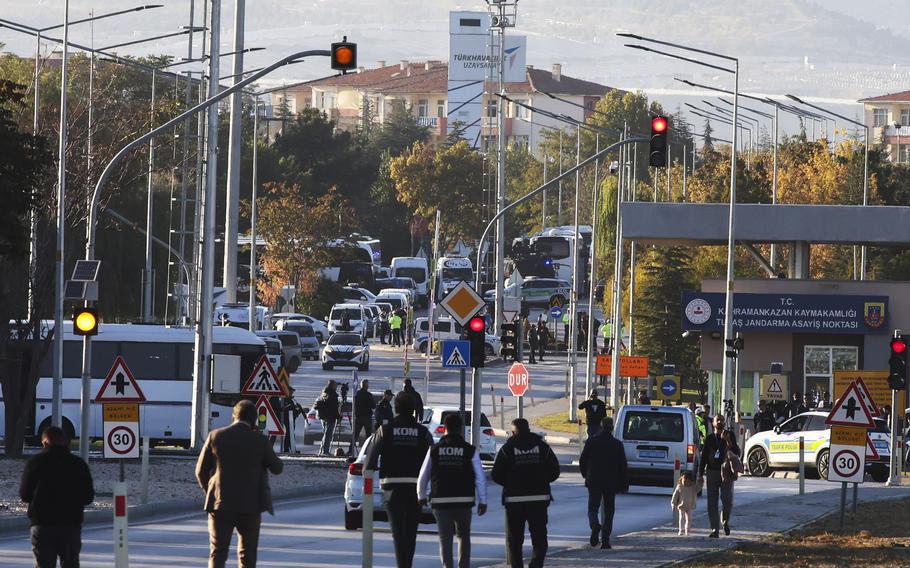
point(232, 472)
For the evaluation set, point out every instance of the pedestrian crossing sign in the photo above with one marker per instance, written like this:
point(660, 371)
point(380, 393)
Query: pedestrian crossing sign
point(456, 354)
point(264, 381)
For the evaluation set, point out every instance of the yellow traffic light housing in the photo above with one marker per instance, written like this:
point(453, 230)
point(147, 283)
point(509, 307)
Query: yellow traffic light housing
point(85, 321)
point(344, 55)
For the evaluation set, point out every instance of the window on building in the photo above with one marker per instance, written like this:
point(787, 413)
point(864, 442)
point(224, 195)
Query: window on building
point(440, 108)
point(423, 107)
point(879, 117)
point(905, 117)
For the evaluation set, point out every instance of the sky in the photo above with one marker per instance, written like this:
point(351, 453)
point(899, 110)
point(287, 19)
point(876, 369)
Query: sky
point(827, 51)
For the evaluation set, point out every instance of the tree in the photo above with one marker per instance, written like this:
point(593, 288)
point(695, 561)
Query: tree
point(26, 187)
point(448, 179)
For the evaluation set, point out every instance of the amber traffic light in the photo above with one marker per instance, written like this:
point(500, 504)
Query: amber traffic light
point(344, 55)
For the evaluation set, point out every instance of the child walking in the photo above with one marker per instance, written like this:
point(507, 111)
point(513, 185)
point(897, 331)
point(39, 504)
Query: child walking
point(684, 498)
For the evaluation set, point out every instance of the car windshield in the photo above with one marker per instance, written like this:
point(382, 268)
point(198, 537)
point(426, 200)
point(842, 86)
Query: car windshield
point(339, 313)
point(417, 273)
point(345, 339)
point(648, 426)
point(458, 274)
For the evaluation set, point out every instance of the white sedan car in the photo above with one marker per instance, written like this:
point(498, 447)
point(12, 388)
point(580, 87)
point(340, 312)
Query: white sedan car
point(779, 448)
point(434, 418)
point(346, 349)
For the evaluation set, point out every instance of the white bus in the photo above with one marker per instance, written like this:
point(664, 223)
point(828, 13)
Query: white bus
point(161, 360)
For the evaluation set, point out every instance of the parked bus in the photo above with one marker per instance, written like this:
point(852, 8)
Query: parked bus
point(161, 360)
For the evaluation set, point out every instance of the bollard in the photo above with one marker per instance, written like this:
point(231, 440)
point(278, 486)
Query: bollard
point(677, 466)
point(121, 525)
point(144, 472)
point(802, 465)
point(367, 511)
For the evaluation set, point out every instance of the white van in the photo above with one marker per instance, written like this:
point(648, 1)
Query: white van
point(356, 315)
point(414, 267)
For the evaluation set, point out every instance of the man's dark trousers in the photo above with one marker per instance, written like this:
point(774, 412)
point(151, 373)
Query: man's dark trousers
point(404, 517)
point(221, 528)
point(52, 541)
point(596, 496)
point(535, 515)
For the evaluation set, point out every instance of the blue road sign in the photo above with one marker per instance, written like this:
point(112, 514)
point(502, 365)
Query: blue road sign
point(456, 354)
point(668, 387)
point(556, 312)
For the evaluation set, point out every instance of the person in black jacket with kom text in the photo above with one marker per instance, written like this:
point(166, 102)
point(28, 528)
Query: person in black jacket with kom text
point(525, 467)
point(57, 486)
point(713, 453)
point(603, 465)
point(399, 449)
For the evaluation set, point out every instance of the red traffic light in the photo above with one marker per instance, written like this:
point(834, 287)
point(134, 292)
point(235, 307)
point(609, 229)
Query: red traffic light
point(477, 324)
point(898, 345)
point(659, 124)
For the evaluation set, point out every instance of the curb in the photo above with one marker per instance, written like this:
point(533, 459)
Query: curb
point(177, 506)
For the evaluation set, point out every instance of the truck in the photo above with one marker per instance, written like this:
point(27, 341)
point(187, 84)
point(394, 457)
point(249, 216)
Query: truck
point(414, 267)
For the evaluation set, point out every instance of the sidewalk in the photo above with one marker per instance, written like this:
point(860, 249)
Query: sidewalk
point(661, 546)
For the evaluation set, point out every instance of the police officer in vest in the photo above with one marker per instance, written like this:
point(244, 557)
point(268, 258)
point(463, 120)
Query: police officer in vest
point(399, 448)
point(525, 467)
point(453, 471)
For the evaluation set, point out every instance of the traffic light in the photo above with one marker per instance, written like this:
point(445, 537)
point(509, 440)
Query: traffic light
point(85, 321)
point(897, 377)
point(658, 153)
point(508, 338)
point(476, 335)
point(344, 55)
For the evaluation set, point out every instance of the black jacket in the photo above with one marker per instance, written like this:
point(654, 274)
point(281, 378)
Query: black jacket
point(57, 486)
point(525, 467)
point(603, 463)
point(363, 403)
point(714, 451)
point(383, 413)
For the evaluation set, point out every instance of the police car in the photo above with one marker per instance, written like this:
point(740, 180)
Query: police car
point(779, 448)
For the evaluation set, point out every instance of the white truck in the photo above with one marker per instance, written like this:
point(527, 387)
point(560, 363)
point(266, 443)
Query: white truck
point(414, 267)
point(450, 270)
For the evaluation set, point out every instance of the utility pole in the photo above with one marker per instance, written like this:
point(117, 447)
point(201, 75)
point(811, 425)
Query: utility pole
point(206, 279)
point(232, 204)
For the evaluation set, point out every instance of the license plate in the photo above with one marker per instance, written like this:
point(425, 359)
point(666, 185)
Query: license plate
point(652, 454)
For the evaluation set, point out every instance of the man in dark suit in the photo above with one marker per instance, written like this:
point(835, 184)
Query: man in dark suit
point(232, 472)
point(57, 486)
point(603, 465)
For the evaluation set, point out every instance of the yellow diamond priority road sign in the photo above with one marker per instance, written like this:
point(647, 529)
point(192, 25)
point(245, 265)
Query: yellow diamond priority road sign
point(462, 302)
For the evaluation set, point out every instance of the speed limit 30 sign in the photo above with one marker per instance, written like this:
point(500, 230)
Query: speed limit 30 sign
point(847, 455)
point(121, 431)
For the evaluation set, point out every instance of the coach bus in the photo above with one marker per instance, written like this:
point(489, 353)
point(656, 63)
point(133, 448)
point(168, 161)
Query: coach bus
point(161, 360)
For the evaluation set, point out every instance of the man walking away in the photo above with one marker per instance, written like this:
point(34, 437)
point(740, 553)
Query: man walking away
point(713, 454)
point(363, 413)
point(233, 471)
point(327, 407)
point(383, 413)
point(525, 467)
point(418, 400)
point(453, 471)
point(603, 465)
point(595, 411)
point(543, 338)
point(400, 448)
point(532, 343)
point(57, 486)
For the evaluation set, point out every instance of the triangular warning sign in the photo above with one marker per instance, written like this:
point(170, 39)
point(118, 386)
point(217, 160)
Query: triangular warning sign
point(871, 452)
point(867, 396)
point(263, 381)
point(120, 386)
point(456, 359)
point(267, 419)
point(774, 387)
point(851, 410)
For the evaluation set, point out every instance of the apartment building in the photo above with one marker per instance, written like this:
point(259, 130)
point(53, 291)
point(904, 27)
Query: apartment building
point(370, 94)
point(888, 117)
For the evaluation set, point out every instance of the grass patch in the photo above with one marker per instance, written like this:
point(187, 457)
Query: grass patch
point(558, 422)
point(877, 535)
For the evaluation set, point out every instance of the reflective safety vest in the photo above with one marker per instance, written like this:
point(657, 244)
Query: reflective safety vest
point(452, 479)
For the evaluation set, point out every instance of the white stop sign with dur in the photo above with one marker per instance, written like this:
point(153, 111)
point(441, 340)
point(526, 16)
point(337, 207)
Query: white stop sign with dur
point(519, 379)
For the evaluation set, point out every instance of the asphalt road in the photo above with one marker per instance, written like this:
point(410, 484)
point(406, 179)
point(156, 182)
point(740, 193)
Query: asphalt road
point(309, 532)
